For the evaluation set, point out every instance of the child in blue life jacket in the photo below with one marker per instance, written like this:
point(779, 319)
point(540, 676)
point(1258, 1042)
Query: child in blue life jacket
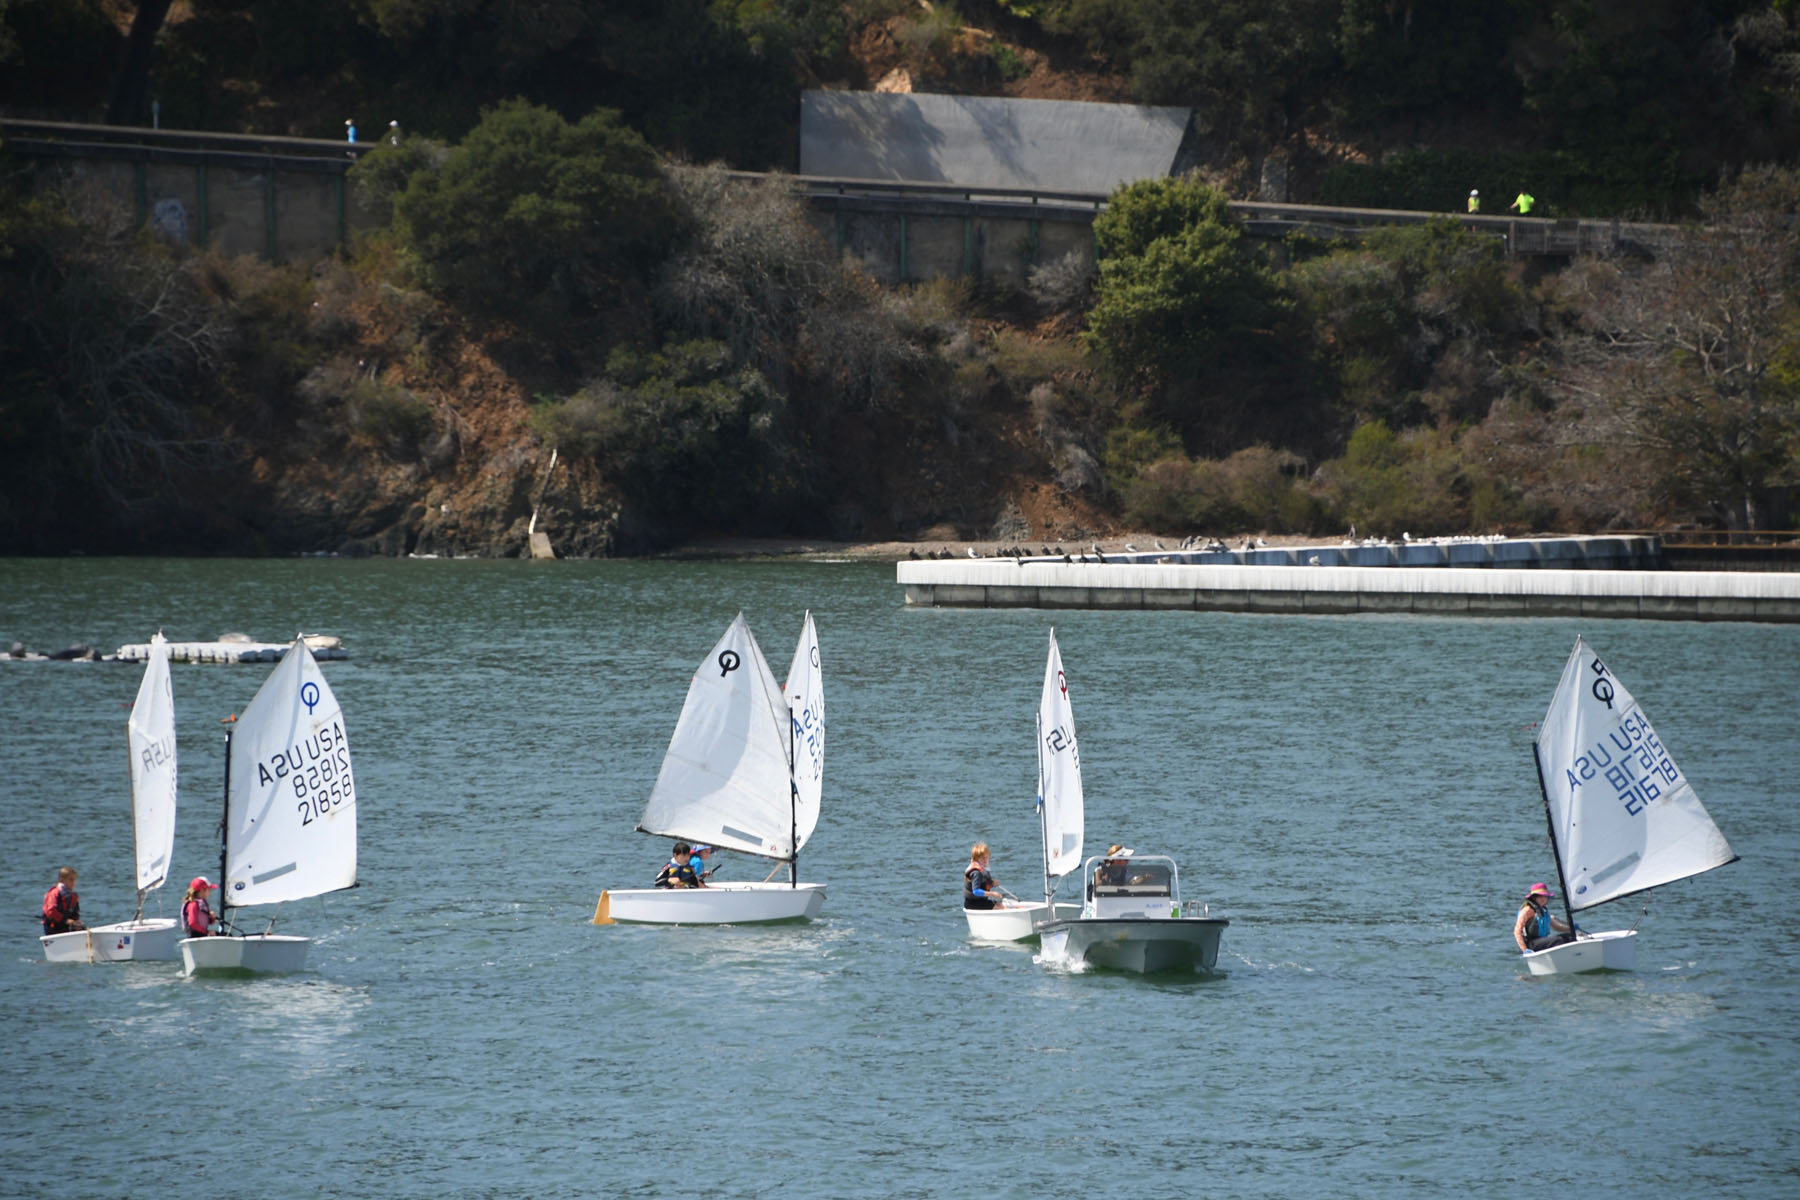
point(1535, 928)
point(679, 871)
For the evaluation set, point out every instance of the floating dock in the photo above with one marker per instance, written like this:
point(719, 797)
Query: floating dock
point(1491, 591)
point(235, 651)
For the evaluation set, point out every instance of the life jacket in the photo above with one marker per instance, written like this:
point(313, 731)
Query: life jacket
point(974, 877)
point(197, 915)
point(677, 874)
point(1537, 925)
point(62, 910)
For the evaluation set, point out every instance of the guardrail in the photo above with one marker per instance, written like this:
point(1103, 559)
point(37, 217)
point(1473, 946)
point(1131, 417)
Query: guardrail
point(1520, 235)
point(1265, 218)
point(133, 143)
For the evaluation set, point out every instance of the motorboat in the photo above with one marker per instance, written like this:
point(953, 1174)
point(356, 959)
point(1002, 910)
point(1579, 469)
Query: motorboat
point(1133, 919)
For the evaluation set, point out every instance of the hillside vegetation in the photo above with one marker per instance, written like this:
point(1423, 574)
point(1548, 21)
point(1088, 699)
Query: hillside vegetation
point(561, 271)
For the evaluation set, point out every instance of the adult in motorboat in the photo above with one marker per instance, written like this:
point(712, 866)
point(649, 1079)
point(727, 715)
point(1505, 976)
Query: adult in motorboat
point(744, 771)
point(62, 904)
point(197, 917)
point(1112, 868)
point(1623, 818)
point(1132, 918)
point(1536, 928)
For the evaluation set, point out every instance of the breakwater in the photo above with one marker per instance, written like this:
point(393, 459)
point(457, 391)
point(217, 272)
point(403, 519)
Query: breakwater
point(1427, 590)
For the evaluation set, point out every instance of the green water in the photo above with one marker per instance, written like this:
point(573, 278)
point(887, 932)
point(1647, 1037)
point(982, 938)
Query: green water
point(1356, 794)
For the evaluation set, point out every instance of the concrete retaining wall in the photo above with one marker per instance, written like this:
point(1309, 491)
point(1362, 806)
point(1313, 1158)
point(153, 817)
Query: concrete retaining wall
point(1495, 591)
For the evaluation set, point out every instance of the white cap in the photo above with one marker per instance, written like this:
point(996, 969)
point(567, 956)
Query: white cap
point(1473, 192)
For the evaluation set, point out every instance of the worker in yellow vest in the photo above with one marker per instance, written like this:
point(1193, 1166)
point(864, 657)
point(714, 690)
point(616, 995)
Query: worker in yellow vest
point(1474, 201)
point(1524, 202)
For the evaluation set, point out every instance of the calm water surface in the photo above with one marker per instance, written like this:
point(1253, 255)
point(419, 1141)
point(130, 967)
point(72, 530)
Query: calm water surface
point(1356, 794)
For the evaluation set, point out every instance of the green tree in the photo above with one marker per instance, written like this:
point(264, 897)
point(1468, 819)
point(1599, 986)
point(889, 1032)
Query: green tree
point(57, 55)
point(536, 219)
point(1391, 483)
point(684, 432)
point(1175, 284)
point(1415, 325)
point(1185, 315)
point(1410, 59)
point(1251, 69)
point(1657, 94)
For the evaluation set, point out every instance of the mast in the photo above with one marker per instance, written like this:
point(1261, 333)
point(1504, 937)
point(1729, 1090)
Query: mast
point(225, 828)
point(1043, 816)
point(1550, 824)
point(793, 803)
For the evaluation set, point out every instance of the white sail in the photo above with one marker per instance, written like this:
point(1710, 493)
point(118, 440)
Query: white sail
point(805, 693)
point(150, 732)
point(1623, 815)
point(290, 807)
point(725, 780)
point(1059, 771)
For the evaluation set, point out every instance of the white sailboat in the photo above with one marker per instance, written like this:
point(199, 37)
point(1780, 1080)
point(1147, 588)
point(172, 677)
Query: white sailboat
point(150, 733)
point(290, 814)
point(744, 771)
point(1060, 818)
point(1622, 816)
point(1132, 917)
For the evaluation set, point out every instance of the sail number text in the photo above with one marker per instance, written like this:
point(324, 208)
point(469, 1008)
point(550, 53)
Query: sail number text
point(1632, 759)
point(809, 728)
point(318, 771)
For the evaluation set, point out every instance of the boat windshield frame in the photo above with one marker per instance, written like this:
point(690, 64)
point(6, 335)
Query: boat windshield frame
point(1131, 885)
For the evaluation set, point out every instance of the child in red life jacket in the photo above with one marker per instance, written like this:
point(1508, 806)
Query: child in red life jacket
point(197, 918)
point(62, 907)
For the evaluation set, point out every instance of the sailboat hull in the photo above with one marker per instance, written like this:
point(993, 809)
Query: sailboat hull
point(1613, 950)
point(1019, 923)
point(1142, 944)
point(263, 953)
point(715, 904)
point(154, 940)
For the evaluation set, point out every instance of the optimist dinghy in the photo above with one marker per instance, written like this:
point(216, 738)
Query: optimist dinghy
point(290, 815)
point(151, 734)
point(1131, 917)
point(1059, 815)
point(744, 771)
point(1622, 816)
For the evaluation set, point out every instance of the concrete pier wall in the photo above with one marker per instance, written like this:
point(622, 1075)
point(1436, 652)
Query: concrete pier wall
point(1440, 591)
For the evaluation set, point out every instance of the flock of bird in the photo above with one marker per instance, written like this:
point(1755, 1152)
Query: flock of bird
point(1200, 543)
point(1093, 554)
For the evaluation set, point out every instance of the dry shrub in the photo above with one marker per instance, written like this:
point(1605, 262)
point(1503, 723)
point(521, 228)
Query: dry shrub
point(1256, 488)
point(1062, 285)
